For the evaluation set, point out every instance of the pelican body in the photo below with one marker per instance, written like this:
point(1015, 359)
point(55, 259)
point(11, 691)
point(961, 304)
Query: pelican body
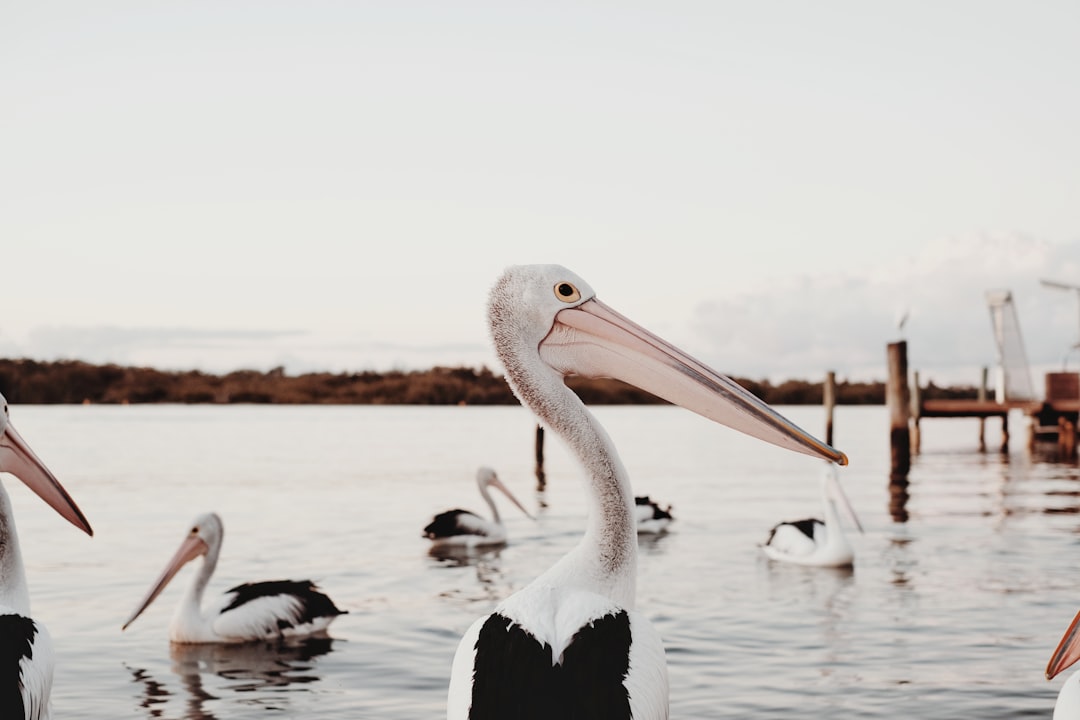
point(1065, 655)
point(461, 528)
point(26, 653)
point(571, 644)
point(816, 542)
point(269, 610)
point(649, 516)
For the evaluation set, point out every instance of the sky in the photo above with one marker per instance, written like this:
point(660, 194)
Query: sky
point(335, 185)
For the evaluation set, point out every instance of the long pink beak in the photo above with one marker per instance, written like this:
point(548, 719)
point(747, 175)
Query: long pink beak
point(17, 458)
point(192, 547)
point(1068, 650)
point(496, 482)
point(593, 340)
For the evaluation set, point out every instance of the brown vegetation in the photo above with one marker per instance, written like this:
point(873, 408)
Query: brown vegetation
point(73, 381)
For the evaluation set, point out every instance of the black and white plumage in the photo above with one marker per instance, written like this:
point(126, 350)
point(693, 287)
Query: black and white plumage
point(1065, 655)
point(650, 517)
point(461, 528)
point(251, 611)
point(571, 643)
point(820, 543)
point(26, 653)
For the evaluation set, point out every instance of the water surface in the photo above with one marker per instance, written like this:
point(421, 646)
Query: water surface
point(961, 589)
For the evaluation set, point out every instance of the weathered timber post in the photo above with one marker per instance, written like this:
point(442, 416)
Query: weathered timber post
point(1005, 432)
point(982, 420)
point(829, 398)
point(1066, 437)
point(541, 479)
point(898, 398)
point(916, 415)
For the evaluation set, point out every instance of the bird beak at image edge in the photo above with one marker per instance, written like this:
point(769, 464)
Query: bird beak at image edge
point(192, 547)
point(593, 340)
point(1068, 650)
point(17, 458)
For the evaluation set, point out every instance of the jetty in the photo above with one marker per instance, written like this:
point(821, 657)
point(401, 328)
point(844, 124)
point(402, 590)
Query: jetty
point(1053, 419)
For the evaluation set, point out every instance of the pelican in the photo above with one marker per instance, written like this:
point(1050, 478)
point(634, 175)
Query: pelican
point(270, 610)
point(571, 643)
point(26, 653)
point(461, 528)
point(650, 517)
point(816, 542)
point(1067, 653)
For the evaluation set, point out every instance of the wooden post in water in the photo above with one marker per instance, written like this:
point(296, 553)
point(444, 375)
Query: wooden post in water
point(916, 414)
point(541, 479)
point(898, 399)
point(829, 398)
point(982, 420)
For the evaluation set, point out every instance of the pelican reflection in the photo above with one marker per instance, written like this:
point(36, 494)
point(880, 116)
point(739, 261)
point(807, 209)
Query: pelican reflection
point(210, 673)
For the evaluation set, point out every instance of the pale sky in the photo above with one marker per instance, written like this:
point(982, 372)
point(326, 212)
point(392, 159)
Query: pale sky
point(324, 185)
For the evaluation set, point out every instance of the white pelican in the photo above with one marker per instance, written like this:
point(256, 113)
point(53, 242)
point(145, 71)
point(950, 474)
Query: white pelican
point(650, 517)
point(816, 542)
point(269, 610)
point(26, 654)
point(461, 528)
point(1067, 653)
point(571, 644)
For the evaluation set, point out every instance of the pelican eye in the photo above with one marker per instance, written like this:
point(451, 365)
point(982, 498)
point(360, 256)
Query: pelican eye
point(567, 292)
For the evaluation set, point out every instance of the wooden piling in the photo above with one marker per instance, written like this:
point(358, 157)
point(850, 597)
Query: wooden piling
point(829, 399)
point(982, 420)
point(916, 414)
point(541, 478)
point(898, 398)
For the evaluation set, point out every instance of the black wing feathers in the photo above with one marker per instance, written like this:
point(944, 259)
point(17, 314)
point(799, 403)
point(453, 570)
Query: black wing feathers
point(16, 642)
point(513, 676)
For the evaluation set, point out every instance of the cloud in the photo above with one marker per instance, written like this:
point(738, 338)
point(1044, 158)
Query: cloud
point(806, 325)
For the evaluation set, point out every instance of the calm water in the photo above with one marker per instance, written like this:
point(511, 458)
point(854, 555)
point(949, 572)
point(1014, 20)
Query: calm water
point(960, 592)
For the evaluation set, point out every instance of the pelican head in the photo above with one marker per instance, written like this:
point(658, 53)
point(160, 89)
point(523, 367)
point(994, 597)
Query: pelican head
point(835, 494)
point(551, 309)
point(203, 539)
point(17, 458)
point(486, 477)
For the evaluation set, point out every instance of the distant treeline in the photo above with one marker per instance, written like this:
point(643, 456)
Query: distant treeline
point(74, 382)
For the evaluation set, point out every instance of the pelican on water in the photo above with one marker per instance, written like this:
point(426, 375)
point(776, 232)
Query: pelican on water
point(650, 517)
point(26, 654)
point(571, 643)
point(1067, 653)
point(268, 610)
point(816, 542)
point(461, 528)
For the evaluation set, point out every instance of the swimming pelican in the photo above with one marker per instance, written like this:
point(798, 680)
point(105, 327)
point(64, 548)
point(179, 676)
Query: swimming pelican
point(571, 644)
point(1067, 653)
point(816, 542)
point(650, 517)
point(461, 528)
point(267, 610)
point(26, 653)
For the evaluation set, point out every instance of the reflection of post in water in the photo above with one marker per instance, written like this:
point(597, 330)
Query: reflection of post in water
point(898, 497)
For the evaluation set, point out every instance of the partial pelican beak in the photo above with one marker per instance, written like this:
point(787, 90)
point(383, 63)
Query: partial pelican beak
point(496, 482)
point(17, 458)
point(836, 491)
point(606, 344)
point(1068, 650)
point(192, 547)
